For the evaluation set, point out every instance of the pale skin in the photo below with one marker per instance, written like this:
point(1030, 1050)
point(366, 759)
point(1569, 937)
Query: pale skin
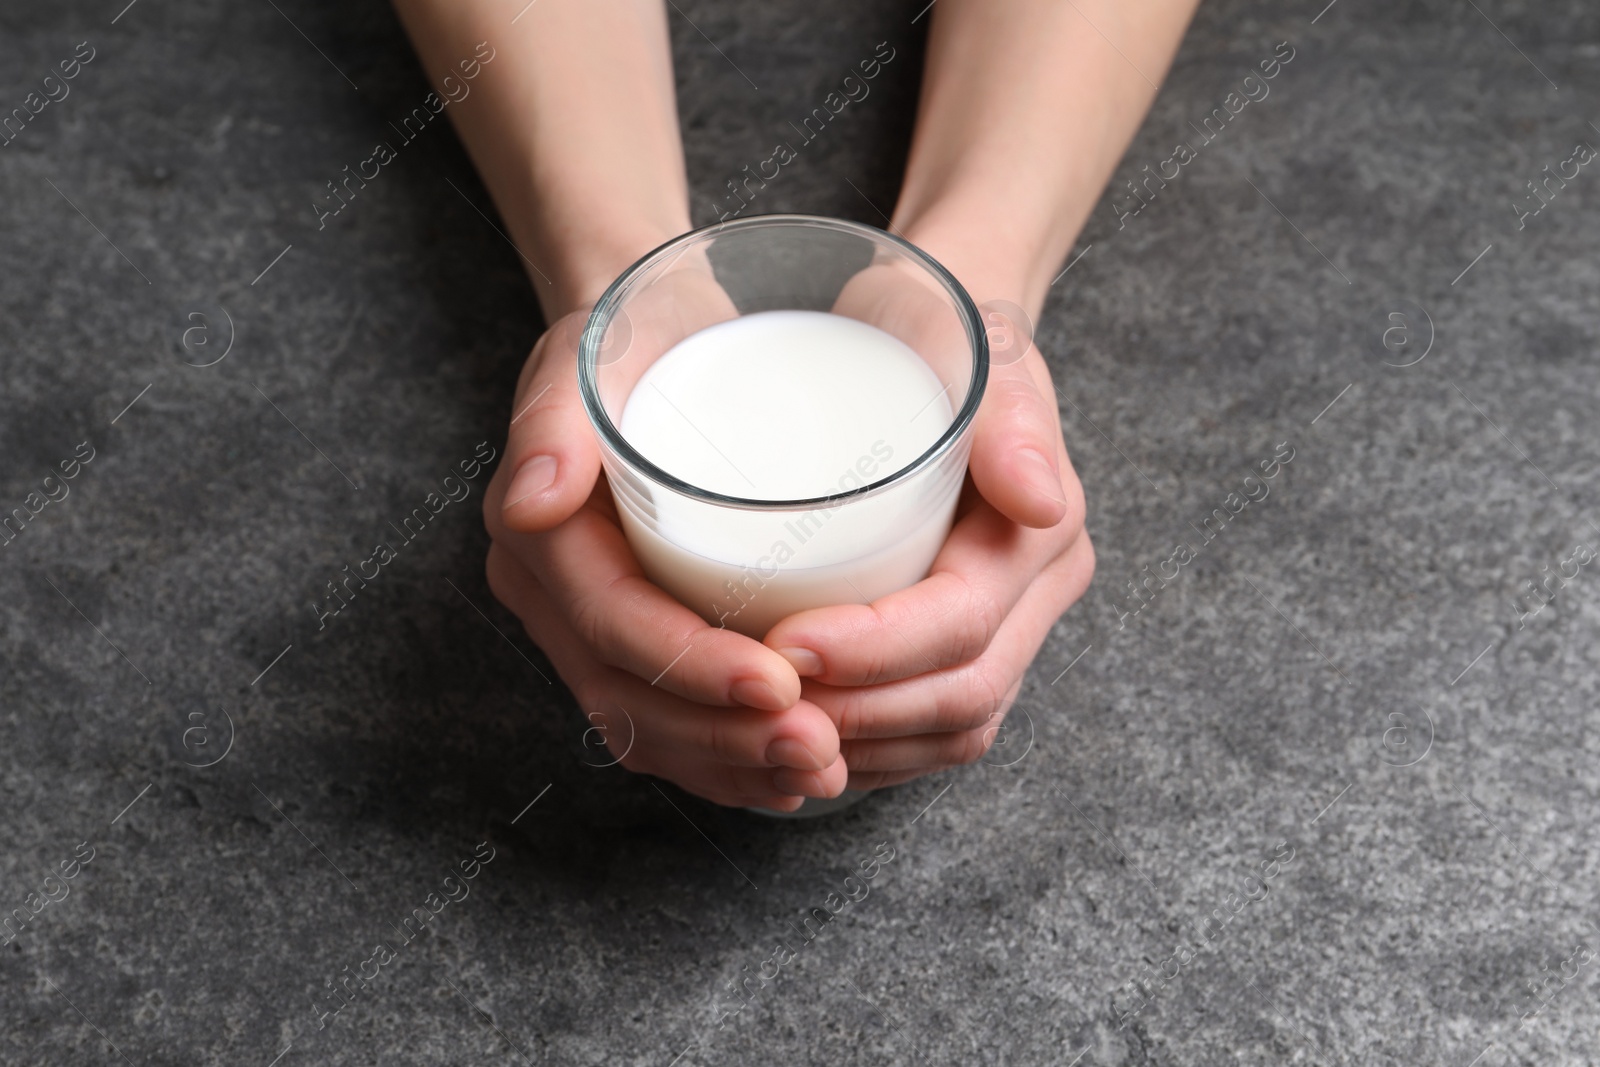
point(1026, 107)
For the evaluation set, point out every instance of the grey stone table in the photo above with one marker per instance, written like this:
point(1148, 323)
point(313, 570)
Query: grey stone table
point(1323, 792)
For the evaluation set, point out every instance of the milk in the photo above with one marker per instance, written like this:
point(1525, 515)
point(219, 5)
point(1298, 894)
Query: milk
point(782, 406)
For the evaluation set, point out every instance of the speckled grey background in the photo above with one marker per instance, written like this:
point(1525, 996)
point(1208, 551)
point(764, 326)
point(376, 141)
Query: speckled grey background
point(1358, 619)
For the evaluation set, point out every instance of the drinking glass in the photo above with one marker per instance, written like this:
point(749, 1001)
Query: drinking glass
point(881, 524)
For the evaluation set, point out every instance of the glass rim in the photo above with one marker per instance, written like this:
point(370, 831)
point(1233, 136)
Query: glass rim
point(605, 308)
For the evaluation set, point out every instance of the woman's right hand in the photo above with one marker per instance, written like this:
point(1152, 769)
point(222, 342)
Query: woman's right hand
point(715, 712)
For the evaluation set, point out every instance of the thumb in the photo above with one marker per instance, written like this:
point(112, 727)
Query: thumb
point(1015, 460)
point(551, 449)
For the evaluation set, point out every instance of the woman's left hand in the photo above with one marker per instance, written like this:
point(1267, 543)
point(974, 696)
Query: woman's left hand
point(921, 679)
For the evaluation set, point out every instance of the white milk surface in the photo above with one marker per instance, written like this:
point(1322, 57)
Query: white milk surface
point(786, 405)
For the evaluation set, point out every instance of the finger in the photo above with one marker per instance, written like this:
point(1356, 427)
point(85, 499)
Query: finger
point(771, 801)
point(723, 784)
point(875, 764)
point(594, 581)
point(824, 784)
point(664, 725)
point(924, 751)
point(801, 737)
point(777, 788)
point(1016, 459)
point(551, 451)
point(970, 696)
point(883, 779)
point(515, 587)
point(787, 805)
point(946, 619)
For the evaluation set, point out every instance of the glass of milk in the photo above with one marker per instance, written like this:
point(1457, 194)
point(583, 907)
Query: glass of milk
point(784, 406)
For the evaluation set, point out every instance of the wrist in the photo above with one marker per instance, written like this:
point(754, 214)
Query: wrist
point(584, 258)
point(994, 258)
point(1001, 246)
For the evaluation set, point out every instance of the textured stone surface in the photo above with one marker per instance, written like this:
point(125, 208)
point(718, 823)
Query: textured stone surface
point(1268, 694)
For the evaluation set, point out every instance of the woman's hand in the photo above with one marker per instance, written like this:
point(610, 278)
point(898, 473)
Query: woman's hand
point(920, 680)
point(574, 129)
point(711, 710)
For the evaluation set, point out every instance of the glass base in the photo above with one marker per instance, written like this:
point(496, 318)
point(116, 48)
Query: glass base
point(814, 806)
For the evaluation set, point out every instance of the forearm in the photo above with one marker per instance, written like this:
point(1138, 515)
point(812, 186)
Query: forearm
point(572, 126)
point(1026, 109)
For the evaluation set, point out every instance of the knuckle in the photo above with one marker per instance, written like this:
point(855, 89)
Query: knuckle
point(526, 421)
point(586, 620)
point(985, 699)
point(872, 661)
point(593, 614)
point(1016, 396)
point(850, 712)
point(862, 756)
point(978, 616)
point(722, 741)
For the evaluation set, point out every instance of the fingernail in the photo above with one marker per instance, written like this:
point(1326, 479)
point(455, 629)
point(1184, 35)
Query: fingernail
point(788, 752)
point(806, 663)
point(1038, 473)
point(799, 783)
point(756, 693)
point(534, 476)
